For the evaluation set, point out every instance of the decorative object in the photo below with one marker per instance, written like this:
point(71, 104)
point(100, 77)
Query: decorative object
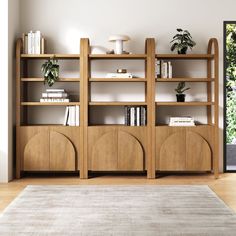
point(118, 210)
point(180, 92)
point(50, 71)
point(182, 41)
point(98, 50)
point(119, 39)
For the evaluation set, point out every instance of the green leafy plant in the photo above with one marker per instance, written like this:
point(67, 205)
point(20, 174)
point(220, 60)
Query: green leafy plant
point(182, 41)
point(231, 117)
point(230, 83)
point(50, 71)
point(181, 88)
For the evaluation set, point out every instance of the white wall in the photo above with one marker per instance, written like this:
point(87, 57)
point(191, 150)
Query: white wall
point(64, 22)
point(9, 12)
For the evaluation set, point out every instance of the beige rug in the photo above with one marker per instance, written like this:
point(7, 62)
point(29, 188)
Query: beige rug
point(117, 210)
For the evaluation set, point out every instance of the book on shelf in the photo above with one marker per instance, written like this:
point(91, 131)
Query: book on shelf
point(135, 115)
point(119, 75)
point(163, 69)
point(54, 100)
point(182, 121)
point(72, 114)
point(33, 43)
point(55, 95)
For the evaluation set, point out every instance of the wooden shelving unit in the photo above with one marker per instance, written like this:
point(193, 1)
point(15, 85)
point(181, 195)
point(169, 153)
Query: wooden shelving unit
point(116, 147)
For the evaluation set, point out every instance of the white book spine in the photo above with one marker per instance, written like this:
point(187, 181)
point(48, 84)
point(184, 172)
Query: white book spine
point(132, 116)
point(170, 74)
point(158, 69)
point(55, 90)
point(37, 42)
point(33, 43)
point(138, 123)
point(66, 116)
point(54, 95)
point(119, 75)
point(30, 42)
point(77, 108)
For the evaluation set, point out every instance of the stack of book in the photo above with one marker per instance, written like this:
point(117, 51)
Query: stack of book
point(72, 116)
point(135, 116)
point(119, 75)
point(33, 43)
point(182, 121)
point(55, 95)
point(163, 69)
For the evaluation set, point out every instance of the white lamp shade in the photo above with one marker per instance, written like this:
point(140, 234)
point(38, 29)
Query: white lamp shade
point(113, 38)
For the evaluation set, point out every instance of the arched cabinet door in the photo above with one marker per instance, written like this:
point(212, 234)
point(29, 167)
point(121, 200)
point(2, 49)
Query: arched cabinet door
point(62, 153)
point(104, 152)
point(172, 152)
point(130, 152)
point(198, 153)
point(36, 153)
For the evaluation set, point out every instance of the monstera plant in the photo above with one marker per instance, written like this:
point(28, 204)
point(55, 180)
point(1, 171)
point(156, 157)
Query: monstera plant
point(50, 71)
point(180, 92)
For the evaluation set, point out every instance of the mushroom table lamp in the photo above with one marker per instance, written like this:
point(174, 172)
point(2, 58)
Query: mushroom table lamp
point(118, 39)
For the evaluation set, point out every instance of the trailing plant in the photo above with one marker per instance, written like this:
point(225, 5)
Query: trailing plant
point(181, 88)
point(182, 41)
point(50, 71)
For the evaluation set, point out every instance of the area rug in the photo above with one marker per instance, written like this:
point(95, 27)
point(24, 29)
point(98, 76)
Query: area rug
point(117, 210)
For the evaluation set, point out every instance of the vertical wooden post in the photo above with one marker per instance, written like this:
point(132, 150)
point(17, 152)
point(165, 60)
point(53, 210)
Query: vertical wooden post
point(18, 106)
point(84, 75)
point(150, 99)
point(209, 84)
point(213, 45)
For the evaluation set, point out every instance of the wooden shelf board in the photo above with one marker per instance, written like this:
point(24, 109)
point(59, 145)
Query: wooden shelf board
point(42, 80)
point(113, 125)
point(117, 103)
point(46, 56)
point(185, 56)
point(184, 103)
point(185, 80)
point(117, 80)
point(49, 125)
point(49, 103)
point(118, 56)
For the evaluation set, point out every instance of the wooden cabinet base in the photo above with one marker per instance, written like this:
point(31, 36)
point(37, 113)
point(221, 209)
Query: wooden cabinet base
point(48, 148)
point(184, 148)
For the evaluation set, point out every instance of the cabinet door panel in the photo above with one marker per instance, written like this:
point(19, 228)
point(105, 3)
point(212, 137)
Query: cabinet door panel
point(130, 153)
point(104, 152)
point(36, 153)
point(62, 153)
point(198, 153)
point(173, 152)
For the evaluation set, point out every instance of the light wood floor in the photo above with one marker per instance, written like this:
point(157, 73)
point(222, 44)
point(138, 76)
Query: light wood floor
point(224, 187)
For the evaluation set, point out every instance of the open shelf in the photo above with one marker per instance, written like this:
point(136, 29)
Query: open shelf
point(185, 56)
point(117, 103)
point(47, 56)
point(118, 56)
point(185, 80)
point(185, 103)
point(42, 80)
point(50, 103)
point(117, 80)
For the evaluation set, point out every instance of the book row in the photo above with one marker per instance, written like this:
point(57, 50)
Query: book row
point(135, 115)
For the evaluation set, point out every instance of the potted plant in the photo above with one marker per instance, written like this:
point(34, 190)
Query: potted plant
point(50, 71)
point(182, 41)
point(180, 92)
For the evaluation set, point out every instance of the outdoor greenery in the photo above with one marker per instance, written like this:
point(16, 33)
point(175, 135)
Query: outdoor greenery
point(231, 83)
point(50, 71)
